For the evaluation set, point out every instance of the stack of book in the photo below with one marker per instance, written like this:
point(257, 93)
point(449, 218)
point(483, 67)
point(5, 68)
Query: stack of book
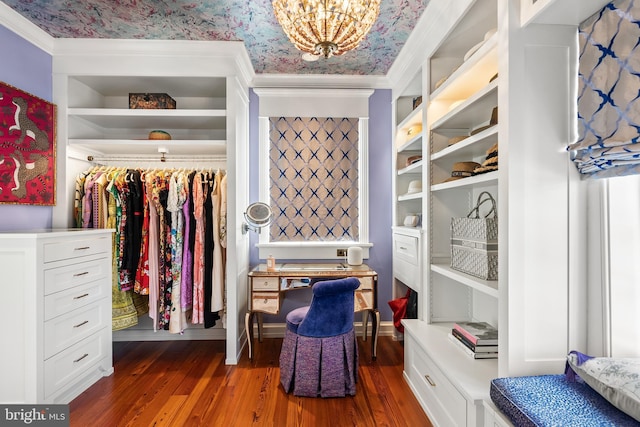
point(478, 339)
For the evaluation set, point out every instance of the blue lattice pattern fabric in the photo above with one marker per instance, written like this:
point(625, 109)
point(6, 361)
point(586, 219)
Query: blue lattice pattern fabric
point(608, 92)
point(314, 178)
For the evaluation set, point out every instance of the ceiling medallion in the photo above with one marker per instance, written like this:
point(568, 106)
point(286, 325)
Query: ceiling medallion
point(326, 27)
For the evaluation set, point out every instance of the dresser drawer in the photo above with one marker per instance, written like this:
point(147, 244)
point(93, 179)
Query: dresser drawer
point(266, 302)
point(405, 248)
point(78, 296)
point(406, 260)
point(74, 248)
point(447, 405)
point(66, 330)
point(265, 283)
point(70, 365)
point(61, 278)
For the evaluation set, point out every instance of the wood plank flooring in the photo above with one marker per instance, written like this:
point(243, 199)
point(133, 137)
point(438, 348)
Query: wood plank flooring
point(186, 383)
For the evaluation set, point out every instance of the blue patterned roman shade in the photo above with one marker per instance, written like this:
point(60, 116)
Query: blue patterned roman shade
point(314, 179)
point(608, 92)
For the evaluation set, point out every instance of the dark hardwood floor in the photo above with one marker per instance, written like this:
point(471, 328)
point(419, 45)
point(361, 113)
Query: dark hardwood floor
point(186, 383)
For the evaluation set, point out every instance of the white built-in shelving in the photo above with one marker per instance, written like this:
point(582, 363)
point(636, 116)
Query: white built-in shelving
point(478, 55)
point(92, 81)
point(101, 121)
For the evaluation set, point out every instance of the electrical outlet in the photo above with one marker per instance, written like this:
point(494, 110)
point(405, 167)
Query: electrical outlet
point(341, 252)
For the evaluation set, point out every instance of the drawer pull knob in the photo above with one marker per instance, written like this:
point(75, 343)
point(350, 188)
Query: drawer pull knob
point(80, 358)
point(429, 380)
point(81, 274)
point(81, 296)
point(82, 248)
point(403, 248)
point(265, 300)
point(81, 324)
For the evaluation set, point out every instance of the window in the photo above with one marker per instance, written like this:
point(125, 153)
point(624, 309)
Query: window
point(313, 179)
point(315, 182)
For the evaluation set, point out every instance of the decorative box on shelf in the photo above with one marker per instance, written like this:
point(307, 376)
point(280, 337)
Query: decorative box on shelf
point(151, 101)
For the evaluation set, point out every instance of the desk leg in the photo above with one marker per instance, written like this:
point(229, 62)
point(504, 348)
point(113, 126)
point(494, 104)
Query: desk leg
point(374, 333)
point(248, 325)
point(365, 324)
point(259, 327)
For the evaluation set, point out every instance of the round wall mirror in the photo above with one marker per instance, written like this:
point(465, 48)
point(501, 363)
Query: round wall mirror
point(257, 215)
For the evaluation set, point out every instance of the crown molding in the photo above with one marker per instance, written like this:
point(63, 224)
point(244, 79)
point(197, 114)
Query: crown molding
point(325, 81)
point(313, 92)
point(186, 48)
point(313, 102)
point(20, 25)
point(218, 52)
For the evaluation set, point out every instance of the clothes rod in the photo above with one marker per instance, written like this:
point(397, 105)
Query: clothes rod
point(162, 158)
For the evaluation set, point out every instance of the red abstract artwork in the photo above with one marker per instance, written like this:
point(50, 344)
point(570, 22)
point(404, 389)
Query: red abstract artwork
point(27, 148)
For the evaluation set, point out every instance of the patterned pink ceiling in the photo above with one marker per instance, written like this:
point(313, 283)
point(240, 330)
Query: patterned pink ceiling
point(251, 21)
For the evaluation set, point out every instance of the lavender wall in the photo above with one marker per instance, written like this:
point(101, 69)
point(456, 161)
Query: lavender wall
point(28, 68)
point(380, 152)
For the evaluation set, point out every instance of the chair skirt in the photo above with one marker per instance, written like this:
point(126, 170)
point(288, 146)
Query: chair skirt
point(326, 367)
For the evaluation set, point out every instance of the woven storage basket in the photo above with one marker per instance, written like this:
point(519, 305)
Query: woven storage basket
point(474, 241)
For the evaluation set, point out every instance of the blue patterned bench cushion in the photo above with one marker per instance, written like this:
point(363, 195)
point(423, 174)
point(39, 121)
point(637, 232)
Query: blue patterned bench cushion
point(552, 400)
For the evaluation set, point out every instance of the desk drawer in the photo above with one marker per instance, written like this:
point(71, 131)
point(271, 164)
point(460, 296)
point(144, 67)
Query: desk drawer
point(67, 249)
point(266, 302)
point(363, 300)
point(265, 283)
point(366, 283)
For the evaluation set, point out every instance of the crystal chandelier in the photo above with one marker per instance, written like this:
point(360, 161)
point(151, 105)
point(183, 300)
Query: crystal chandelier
point(326, 27)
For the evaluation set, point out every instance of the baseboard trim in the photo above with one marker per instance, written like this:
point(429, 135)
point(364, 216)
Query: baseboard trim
point(161, 335)
point(269, 330)
point(276, 330)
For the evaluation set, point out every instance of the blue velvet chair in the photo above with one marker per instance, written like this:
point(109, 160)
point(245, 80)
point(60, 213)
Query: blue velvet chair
point(319, 354)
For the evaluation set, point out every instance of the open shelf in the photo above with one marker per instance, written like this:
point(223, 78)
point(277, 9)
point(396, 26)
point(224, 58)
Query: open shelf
point(115, 118)
point(485, 178)
point(414, 168)
point(489, 287)
point(149, 147)
point(474, 110)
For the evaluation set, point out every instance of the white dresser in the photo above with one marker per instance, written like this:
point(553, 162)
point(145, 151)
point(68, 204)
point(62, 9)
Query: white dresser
point(56, 313)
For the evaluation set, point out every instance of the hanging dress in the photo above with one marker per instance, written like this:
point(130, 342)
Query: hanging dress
point(142, 274)
point(210, 317)
point(100, 210)
point(79, 194)
point(87, 200)
point(186, 277)
point(223, 242)
point(154, 247)
point(122, 184)
point(217, 272)
point(176, 199)
point(166, 283)
point(135, 219)
point(198, 251)
point(123, 312)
